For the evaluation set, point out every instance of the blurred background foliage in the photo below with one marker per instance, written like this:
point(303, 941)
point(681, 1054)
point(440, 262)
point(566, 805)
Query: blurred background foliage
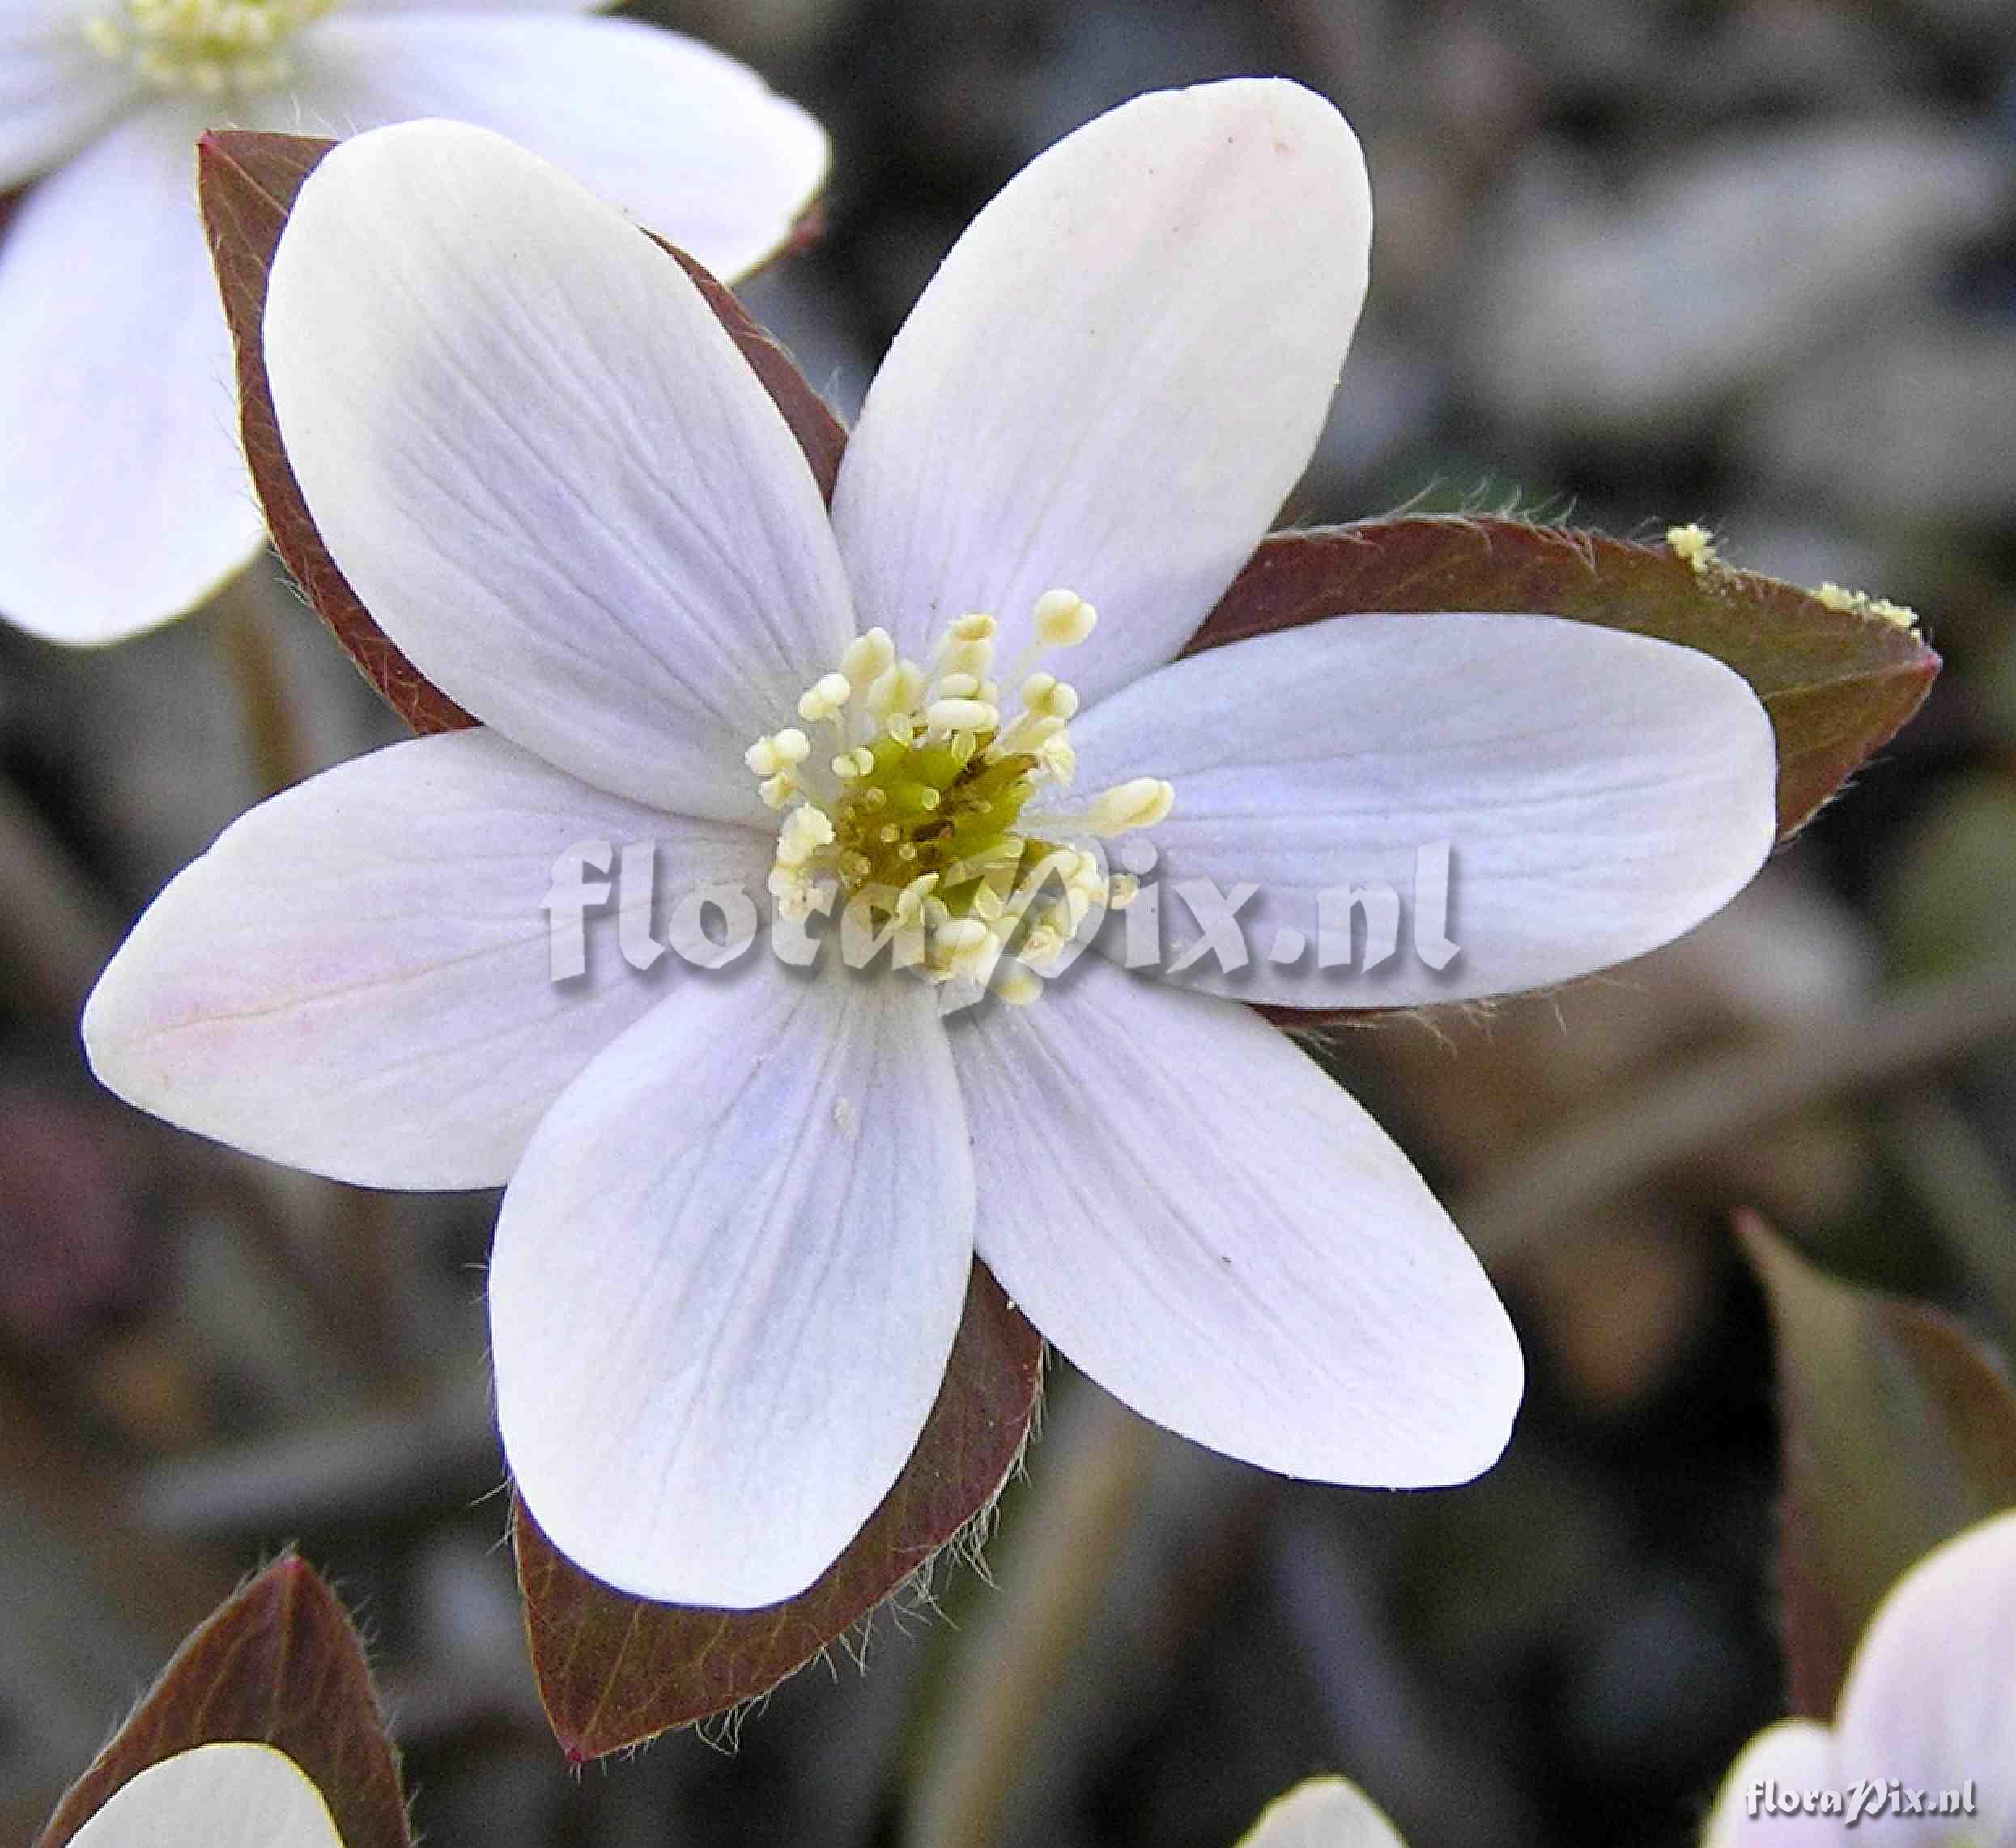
point(1748, 262)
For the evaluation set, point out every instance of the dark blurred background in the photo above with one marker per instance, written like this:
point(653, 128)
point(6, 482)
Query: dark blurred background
point(1747, 261)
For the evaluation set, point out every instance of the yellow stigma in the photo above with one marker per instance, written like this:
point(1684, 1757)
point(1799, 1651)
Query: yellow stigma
point(917, 804)
point(205, 48)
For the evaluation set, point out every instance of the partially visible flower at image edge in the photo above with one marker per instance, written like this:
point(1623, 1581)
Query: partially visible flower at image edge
point(233, 1794)
point(123, 498)
point(742, 1206)
point(1322, 1813)
point(1929, 1704)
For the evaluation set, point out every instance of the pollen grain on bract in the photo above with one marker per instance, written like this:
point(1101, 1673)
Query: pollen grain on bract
point(921, 799)
point(206, 48)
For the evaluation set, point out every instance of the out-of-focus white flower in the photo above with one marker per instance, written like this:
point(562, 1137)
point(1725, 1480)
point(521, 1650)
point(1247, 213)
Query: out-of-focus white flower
point(1322, 1813)
point(742, 1207)
point(233, 1796)
point(1922, 1752)
point(123, 500)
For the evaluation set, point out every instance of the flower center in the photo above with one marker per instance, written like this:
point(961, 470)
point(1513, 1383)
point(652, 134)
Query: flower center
point(919, 813)
point(207, 48)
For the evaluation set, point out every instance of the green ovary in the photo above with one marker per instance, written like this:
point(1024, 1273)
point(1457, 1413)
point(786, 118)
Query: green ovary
point(940, 808)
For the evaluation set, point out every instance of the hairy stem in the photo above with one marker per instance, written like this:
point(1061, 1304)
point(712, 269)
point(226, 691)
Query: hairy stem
point(272, 725)
point(1009, 1672)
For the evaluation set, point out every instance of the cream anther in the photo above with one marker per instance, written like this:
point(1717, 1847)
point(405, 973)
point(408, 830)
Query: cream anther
point(962, 715)
point(824, 697)
point(1063, 618)
point(779, 751)
point(868, 656)
point(1018, 986)
point(970, 660)
point(964, 946)
point(911, 902)
point(1121, 809)
point(1043, 946)
point(804, 832)
point(897, 688)
point(1047, 696)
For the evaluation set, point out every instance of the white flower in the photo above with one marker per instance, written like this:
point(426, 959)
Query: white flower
point(238, 1794)
point(123, 501)
point(1927, 1721)
point(1322, 1813)
point(743, 1205)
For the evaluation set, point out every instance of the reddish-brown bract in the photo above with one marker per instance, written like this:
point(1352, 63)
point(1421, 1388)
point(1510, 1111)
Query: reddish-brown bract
point(1837, 684)
point(279, 1665)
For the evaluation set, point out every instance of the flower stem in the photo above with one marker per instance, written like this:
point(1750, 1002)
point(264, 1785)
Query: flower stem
point(1728, 1095)
point(57, 929)
point(1094, 1467)
point(266, 709)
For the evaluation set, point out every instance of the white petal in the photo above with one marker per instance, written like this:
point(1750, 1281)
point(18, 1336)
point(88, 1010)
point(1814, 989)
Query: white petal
point(1598, 794)
point(1931, 1695)
point(727, 1279)
point(357, 977)
point(235, 1794)
point(545, 467)
point(1779, 1766)
point(686, 139)
point(55, 89)
point(1322, 1813)
point(1116, 378)
point(1221, 1238)
point(126, 502)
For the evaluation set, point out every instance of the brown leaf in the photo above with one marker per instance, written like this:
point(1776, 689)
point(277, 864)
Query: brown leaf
point(247, 184)
point(1838, 684)
point(1896, 1433)
point(615, 1671)
point(278, 1664)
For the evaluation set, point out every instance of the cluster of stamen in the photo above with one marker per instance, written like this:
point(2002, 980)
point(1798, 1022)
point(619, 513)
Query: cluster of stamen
point(917, 802)
point(206, 48)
